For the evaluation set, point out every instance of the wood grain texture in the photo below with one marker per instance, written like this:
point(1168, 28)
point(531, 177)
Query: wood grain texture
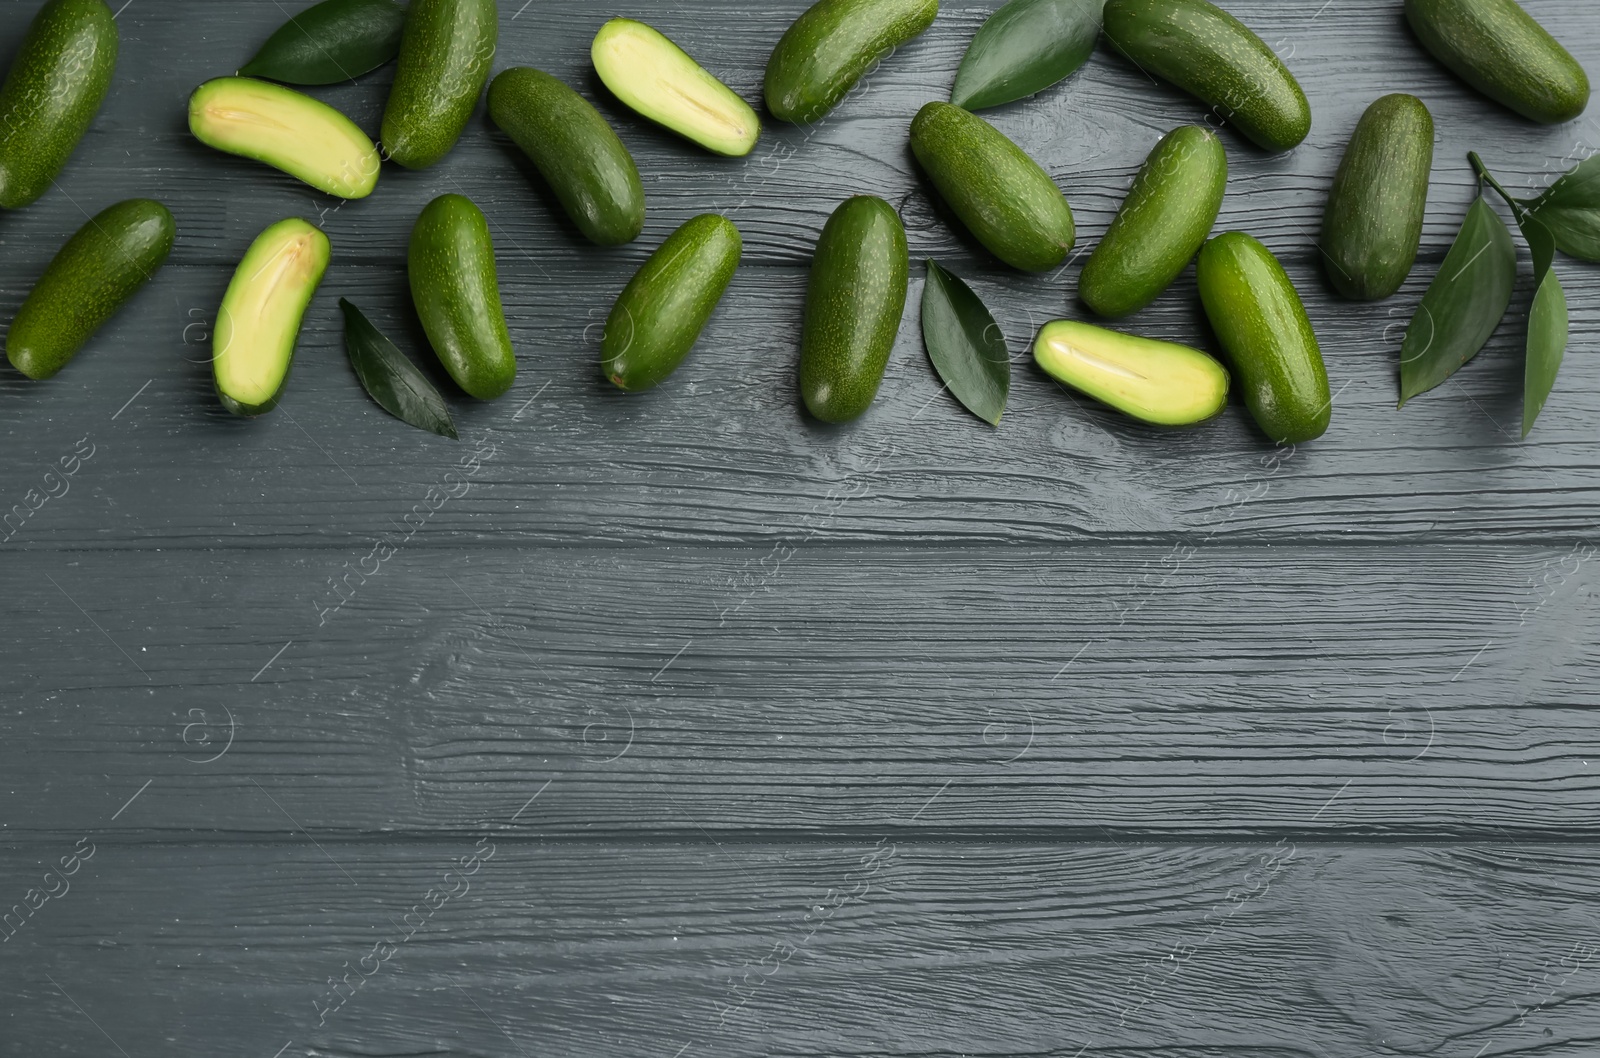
point(1290, 951)
point(1393, 693)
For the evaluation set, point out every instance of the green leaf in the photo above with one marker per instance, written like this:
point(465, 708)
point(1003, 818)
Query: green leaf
point(337, 40)
point(965, 344)
point(1024, 48)
point(1570, 208)
point(1463, 305)
point(391, 379)
point(1547, 324)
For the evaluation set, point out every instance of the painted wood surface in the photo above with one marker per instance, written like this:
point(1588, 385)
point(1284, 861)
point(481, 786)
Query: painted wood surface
point(909, 738)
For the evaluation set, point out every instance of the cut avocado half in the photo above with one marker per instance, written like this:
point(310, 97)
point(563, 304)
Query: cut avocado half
point(1157, 382)
point(288, 130)
point(260, 316)
point(655, 77)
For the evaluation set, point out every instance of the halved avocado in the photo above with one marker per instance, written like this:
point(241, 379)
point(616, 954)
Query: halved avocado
point(1157, 382)
point(259, 320)
point(658, 79)
point(288, 130)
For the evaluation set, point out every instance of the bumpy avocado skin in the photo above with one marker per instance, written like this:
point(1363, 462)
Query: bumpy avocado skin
point(828, 49)
point(51, 94)
point(854, 304)
point(445, 54)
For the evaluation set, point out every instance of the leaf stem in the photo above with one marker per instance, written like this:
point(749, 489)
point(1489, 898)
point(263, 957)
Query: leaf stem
point(1485, 176)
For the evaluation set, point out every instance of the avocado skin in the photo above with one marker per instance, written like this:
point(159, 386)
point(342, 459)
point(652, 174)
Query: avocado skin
point(1003, 196)
point(456, 291)
point(1160, 226)
point(854, 304)
point(1210, 54)
point(660, 313)
point(828, 49)
point(575, 150)
point(445, 54)
point(51, 94)
point(1497, 47)
point(1258, 316)
point(1373, 224)
point(97, 270)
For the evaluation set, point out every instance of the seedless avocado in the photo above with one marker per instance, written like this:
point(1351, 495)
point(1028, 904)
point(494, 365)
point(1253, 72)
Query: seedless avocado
point(259, 320)
point(856, 297)
point(456, 290)
point(660, 313)
point(1156, 382)
point(1162, 224)
point(1003, 197)
point(287, 130)
point(98, 269)
point(1210, 54)
point(827, 49)
point(1258, 317)
point(657, 79)
point(1373, 224)
point(583, 161)
point(445, 54)
point(51, 93)
point(1497, 47)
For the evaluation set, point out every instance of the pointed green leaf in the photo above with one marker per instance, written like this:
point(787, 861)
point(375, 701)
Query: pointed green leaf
point(1024, 48)
point(392, 380)
point(1570, 208)
point(1464, 304)
point(965, 344)
point(337, 40)
point(1547, 324)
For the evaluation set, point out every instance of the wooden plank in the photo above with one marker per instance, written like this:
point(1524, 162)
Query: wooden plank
point(993, 949)
point(1137, 692)
point(723, 454)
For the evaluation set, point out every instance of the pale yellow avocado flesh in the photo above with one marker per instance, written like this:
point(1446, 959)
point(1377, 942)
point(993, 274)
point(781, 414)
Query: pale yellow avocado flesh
point(287, 130)
point(658, 79)
point(260, 316)
point(1158, 382)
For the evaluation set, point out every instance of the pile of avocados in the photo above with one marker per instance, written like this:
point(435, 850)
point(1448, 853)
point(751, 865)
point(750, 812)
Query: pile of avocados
point(859, 278)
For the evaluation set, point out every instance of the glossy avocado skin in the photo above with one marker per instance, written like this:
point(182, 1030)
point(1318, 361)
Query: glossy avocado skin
point(1004, 197)
point(828, 49)
point(1497, 47)
point(575, 150)
point(1372, 227)
point(445, 53)
point(1210, 54)
point(1160, 226)
point(51, 94)
point(660, 313)
point(854, 304)
point(98, 269)
point(455, 288)
point(1259, 318)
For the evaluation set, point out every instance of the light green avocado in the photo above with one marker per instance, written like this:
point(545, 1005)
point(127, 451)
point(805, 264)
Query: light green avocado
point(656, 78)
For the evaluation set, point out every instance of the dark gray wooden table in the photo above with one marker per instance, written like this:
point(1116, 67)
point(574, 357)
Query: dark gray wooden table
point(680, 725)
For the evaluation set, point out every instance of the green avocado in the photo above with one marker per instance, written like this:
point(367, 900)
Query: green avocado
point(1259, 318)
point(99, 268)
point(287, 130)
point(1003, 197)
point(577, 153)
point(259, 320)
point(52, 93)
point(1373, 224)
point(660, 313)
point(1156, 382)
point(1162, 224)
point(456, 290)
point(828, 49)
point(658, 79)
point(1210, 54)
point(1497, 47)
point(854, 303)
point(445, 53)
